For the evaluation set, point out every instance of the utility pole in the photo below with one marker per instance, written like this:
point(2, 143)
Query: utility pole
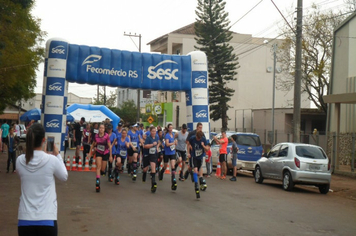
point(298, 74)
point(138, 90)
point(274, 91)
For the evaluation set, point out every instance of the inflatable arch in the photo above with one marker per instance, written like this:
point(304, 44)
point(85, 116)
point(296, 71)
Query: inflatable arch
point(66, 62)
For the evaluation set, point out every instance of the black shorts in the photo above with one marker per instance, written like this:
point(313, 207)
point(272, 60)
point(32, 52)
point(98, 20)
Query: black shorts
point(169, 157)
point(77, 142)
point(5, 140)
point(148, 159)
point(197, 163)
point(182, 154)
point(222, 158)
point(130, 152)
point(105, 157)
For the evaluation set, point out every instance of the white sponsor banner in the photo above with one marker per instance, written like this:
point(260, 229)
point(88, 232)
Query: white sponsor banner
point(199, 96)
point(56, 67)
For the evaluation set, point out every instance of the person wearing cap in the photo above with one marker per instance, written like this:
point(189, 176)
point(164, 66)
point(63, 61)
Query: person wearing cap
point(181, 138)
point(133, 151)
point(77, 137)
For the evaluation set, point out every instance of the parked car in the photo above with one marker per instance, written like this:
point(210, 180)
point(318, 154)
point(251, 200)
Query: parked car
point(22, 131)
point(295, 163)
point(250, 150)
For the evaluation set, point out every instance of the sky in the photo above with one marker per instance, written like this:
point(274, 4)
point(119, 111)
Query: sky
point(103, 23)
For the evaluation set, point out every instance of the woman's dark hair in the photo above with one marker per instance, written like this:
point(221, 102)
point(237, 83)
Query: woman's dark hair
point(34, 137)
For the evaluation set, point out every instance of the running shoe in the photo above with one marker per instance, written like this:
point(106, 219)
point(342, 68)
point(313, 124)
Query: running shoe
point(223, 177)
point(233, 179)
point(154, 187)
point(174, 184)
point(134, 176)
point(181, 179)
point(97, 185)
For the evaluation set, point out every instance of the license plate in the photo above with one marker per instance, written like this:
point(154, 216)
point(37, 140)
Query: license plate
point(314, 167)
point(248, 165)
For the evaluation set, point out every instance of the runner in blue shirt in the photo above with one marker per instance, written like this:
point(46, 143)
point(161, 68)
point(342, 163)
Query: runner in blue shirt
point(151, 144)
point(198, 146)
point(170, 155)
point(121, 154)
point(134, 150)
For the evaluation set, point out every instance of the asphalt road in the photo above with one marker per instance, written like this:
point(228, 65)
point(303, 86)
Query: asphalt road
point(226, 208)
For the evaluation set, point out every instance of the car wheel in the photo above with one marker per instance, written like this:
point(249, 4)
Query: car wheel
point(324, 189)
point(287, 181)
point(258, 175)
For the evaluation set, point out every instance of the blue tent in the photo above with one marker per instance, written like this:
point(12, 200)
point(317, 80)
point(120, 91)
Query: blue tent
point(93, 113)
point(33, 114)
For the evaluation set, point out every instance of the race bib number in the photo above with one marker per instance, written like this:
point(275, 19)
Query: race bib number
point(173, 147)
point(96, 131)
point(198, 152)
point(81, 129)
point(152, 150)
point(101, 147)
point(123, 153)
point(87, 133)
point(134, 144)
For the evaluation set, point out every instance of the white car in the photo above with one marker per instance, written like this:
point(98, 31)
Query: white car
point(295, 163)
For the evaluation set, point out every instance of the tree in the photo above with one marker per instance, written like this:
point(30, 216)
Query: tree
point(126, 111)
point(213, 36)
point(104, 99)
point(20, 51)
point(317, 42)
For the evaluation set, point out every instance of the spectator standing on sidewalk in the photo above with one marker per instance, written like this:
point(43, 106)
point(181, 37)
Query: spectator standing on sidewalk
point(77, 138)
point(37, 213)
point(5, 132)
point(223, 153)
point(234, 150)
point(13, 141)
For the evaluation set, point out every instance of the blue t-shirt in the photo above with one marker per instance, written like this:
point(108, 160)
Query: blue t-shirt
point(118, 134)
point(112, 138)
point(134, 139)
point(171, 150)
point(121, 148)
point(197, 149)
point(5, 130)
point(140, 132)
point(150, 140)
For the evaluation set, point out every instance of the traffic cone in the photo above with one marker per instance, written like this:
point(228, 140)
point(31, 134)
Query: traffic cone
point(80, 165)
point(68, 163)
point(218, 170)
point(74, 165)
point(167, 171)
point(86, 167)
point(93, 166)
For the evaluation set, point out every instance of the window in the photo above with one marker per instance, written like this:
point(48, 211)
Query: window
point(284, 151)
point(248, 140)
point(310, 152)
point(274, 151)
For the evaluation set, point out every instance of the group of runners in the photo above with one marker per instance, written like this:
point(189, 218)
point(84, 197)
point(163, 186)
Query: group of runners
point(113, 148)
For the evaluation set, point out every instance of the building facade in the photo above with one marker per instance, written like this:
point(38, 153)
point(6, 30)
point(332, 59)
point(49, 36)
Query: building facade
point(254, 84)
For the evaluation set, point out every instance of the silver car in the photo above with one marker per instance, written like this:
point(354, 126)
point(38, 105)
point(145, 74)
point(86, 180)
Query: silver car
point(295, 163)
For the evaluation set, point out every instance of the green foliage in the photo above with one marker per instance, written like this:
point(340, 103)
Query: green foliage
point(105, 99)
point(127, 112)
point(318, 27)
point(20, 51)
point(213, 36)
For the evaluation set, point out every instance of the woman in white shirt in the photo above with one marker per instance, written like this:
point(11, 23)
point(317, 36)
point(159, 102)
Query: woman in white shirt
point(37, 213)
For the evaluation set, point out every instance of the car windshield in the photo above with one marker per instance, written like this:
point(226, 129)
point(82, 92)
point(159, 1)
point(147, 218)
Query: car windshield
point(248, 140)
point(310, 152)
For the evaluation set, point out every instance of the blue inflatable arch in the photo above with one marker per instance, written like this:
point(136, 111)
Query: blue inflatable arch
point(81, 64)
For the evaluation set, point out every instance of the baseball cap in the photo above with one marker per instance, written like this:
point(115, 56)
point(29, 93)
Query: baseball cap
point(135, 125)
point(184, 126)
point(120, 124)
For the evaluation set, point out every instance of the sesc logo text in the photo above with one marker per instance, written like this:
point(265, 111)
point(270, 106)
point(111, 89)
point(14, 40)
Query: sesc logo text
point(161, 73)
